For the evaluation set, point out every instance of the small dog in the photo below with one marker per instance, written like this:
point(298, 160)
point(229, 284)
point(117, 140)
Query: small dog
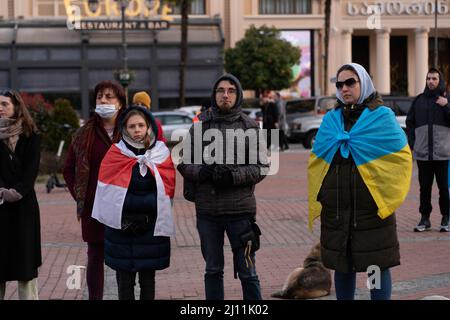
point(311, 281)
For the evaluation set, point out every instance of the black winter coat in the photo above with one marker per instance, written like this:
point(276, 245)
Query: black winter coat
point(133, 252)
point(353, 236)
point(236, 200)
point(271, 114)
point(20, 236)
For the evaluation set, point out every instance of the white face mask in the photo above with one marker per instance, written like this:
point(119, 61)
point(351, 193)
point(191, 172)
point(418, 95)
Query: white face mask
point(106, 111)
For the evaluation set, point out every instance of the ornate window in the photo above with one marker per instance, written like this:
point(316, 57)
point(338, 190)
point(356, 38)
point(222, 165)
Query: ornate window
point(195, 7)
point(48, 8)
point(284, 6)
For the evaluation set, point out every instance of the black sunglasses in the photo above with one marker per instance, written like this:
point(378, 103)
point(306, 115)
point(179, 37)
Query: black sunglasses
point(350, 82)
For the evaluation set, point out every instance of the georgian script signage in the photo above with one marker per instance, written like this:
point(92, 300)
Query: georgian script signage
point(418, 8)
point(117, 25)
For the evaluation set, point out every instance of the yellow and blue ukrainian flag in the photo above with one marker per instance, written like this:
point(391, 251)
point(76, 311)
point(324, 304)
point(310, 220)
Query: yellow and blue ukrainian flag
point(381, 153)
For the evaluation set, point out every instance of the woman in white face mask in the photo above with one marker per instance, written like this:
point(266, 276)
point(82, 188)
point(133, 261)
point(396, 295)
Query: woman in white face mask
point(89, 146)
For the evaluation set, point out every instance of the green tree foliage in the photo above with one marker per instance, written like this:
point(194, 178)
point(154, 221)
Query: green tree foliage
point(262, 60)
point(40, 112)
point(54, 122)
point(64, 121)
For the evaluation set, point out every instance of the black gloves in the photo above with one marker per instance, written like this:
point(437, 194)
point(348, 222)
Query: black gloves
point(206, 172)
point(222, 177)
point(219, 175)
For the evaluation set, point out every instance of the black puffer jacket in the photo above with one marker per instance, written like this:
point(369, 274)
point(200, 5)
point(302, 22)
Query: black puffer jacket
point(238, 199)
point(428, 125)
point(353, 236)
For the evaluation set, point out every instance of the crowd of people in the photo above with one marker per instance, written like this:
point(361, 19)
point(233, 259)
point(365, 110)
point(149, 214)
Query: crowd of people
point(120, 173)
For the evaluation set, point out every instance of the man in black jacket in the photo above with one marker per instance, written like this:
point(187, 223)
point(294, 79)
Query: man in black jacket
point(428, 124)
point(224, 187)
point(271, 115)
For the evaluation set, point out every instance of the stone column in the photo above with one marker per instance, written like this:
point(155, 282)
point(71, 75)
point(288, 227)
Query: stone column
point(383, 76)
point(20, 8)
point(421, 62)
point(236, 19)
point(346, 45)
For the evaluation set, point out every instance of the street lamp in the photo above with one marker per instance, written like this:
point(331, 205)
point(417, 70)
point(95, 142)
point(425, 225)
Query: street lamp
point(435, 35)
point(124, 75)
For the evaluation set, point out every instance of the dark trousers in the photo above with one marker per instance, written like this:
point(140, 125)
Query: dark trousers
point(427, 171)
point(212, 241)
point(283, 140)
point(95, 270)
point(127, 280)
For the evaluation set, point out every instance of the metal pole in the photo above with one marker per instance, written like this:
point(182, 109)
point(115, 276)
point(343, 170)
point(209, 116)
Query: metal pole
point(435, 35)
point(123, 6)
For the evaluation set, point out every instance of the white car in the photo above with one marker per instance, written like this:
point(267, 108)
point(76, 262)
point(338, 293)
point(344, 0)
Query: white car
point(189, 109)
point(171, 121)
point(255, 114)
point(304, 129)
point(305, 107)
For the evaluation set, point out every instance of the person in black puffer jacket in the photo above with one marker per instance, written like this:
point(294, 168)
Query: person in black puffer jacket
point(135, 247)
point(428, 124)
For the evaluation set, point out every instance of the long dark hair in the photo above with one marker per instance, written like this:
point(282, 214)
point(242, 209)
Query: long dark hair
point(21, 111)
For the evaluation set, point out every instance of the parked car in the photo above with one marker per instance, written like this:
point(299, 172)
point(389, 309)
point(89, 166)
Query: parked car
point(189, 109)
point(174, 120)
point(304, 129)
point(255, 114)
point(306, 107)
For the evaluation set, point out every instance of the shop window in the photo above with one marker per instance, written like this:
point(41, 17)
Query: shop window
point(38, 80)
point(285, 7)
point(195, 7)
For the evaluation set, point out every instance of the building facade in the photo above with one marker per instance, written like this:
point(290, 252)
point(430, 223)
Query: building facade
point(394, 40)
point(43, 50)
point(395, 44)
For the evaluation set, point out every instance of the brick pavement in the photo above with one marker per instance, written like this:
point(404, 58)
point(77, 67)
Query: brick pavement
point(282, 216)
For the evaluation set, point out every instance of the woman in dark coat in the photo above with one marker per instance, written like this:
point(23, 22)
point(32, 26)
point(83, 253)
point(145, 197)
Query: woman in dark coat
point(361, 165)
point(89, 145)
point(133, 199)
point(20, 238)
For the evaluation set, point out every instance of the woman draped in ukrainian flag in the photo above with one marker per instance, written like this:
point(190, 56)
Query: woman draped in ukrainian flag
point(359, 173)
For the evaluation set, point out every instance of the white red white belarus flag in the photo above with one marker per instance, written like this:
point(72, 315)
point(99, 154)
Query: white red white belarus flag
point(114, 178)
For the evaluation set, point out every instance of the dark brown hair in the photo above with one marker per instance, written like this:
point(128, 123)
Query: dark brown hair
point(115, 87)
point(21, 111)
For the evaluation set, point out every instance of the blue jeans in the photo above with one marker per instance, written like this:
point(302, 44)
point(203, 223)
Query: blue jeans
point(345, 284)
point(212, 240)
